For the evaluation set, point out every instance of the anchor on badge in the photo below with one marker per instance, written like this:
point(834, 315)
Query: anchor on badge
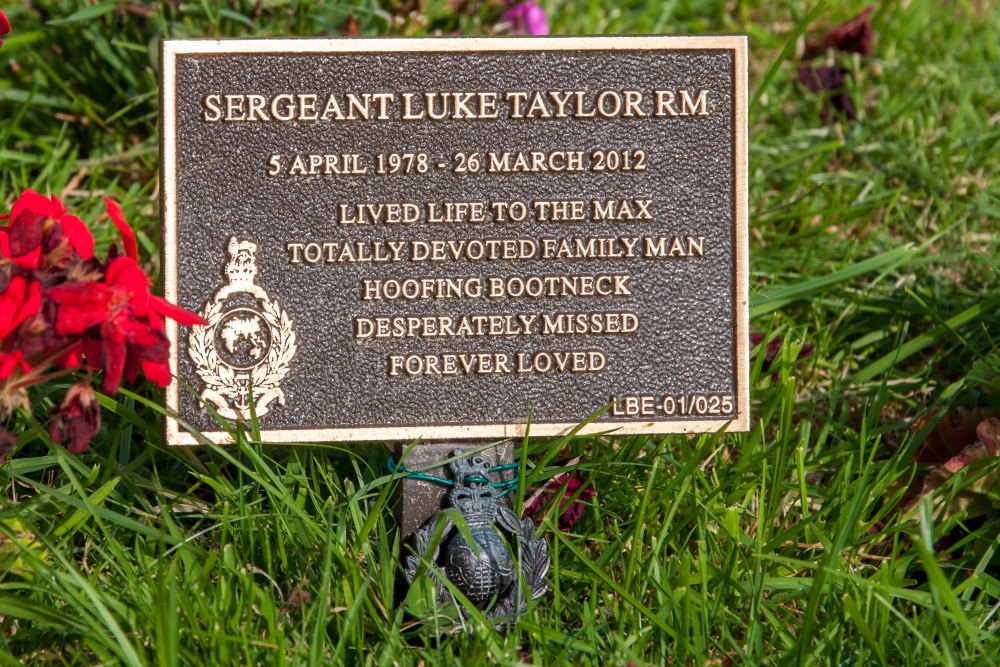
point(247, 345)
point(485, 570)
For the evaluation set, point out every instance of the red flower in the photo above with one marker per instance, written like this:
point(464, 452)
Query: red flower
point(20, 300)
point(4, 26)
point(21, 241)
point(77, 419)
point(38, 226)
point(854, 36)
point(60, 308)
point(127, 319)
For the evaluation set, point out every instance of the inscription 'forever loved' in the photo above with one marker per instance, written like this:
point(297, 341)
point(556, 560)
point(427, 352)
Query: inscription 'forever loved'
point(451, 238)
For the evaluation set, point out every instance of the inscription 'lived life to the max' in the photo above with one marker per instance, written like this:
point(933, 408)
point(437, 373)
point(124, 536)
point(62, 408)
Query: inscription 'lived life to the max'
point(438, 238)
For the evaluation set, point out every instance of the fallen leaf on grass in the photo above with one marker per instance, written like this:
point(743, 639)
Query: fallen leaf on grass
point(350, 27)
point(955, 448)
point(830, 81)
point(853, 36)
point(297, 598)
point(774, 348)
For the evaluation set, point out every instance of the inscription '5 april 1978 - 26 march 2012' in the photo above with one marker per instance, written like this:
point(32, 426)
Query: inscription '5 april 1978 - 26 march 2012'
point(438, 239)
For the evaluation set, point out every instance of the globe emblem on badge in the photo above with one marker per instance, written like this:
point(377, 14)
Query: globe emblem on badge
point(242, 338)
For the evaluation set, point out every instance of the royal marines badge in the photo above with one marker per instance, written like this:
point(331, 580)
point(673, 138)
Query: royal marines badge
point(248, 344)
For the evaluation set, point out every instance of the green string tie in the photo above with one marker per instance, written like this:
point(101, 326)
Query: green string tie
point(504, 487)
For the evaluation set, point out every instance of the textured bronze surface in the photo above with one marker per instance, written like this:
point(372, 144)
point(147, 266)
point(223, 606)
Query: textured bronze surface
point(571, 233)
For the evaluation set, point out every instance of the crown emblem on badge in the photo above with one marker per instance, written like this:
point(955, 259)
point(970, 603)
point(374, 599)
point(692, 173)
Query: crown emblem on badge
point(242, 266)
point(247, 346)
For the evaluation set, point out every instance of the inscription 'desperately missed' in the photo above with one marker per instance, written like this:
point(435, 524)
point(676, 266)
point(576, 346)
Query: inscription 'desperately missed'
point(436, 239)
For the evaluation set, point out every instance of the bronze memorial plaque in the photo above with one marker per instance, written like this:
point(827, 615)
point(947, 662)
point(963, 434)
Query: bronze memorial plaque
point(398, 239)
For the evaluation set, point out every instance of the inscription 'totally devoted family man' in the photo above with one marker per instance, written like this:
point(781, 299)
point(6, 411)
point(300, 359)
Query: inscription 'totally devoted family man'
point(447, 238)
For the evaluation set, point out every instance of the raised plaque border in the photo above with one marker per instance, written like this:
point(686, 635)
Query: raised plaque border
point(170, 49)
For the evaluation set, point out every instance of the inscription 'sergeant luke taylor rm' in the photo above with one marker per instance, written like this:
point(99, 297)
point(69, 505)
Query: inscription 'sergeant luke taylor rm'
point(448, 238)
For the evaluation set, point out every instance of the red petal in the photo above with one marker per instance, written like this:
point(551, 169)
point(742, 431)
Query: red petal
point(4, 24)
point(81, 294)
point(82, 305)
point(830, 82)
point(32, 304)
point(854, 36)
point(18, 302)
point(132, 367)
point(153, 346)
point(73, 358)
point(25, 233)
point(78, 418)
point(33, 202)
point(79, 236)
point(125, 273)
point(137, 331)
point(93, 352)
point(29, 261)
point(176, 313)
point(72, 321)
point(128, 236)
point(114, 353)
point(155, 320)
point(10, 362)
point(157, 372)
point(58, 208)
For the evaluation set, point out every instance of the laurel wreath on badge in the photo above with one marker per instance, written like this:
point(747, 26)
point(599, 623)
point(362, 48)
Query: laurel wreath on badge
point(226, 385)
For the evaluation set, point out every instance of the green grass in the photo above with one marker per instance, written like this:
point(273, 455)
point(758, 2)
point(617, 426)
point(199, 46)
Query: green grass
point(875, 241)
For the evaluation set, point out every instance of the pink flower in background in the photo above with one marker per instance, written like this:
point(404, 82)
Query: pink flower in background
point(573, 502)
point(967, 439)
point(526, 18)
point(4, 26)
